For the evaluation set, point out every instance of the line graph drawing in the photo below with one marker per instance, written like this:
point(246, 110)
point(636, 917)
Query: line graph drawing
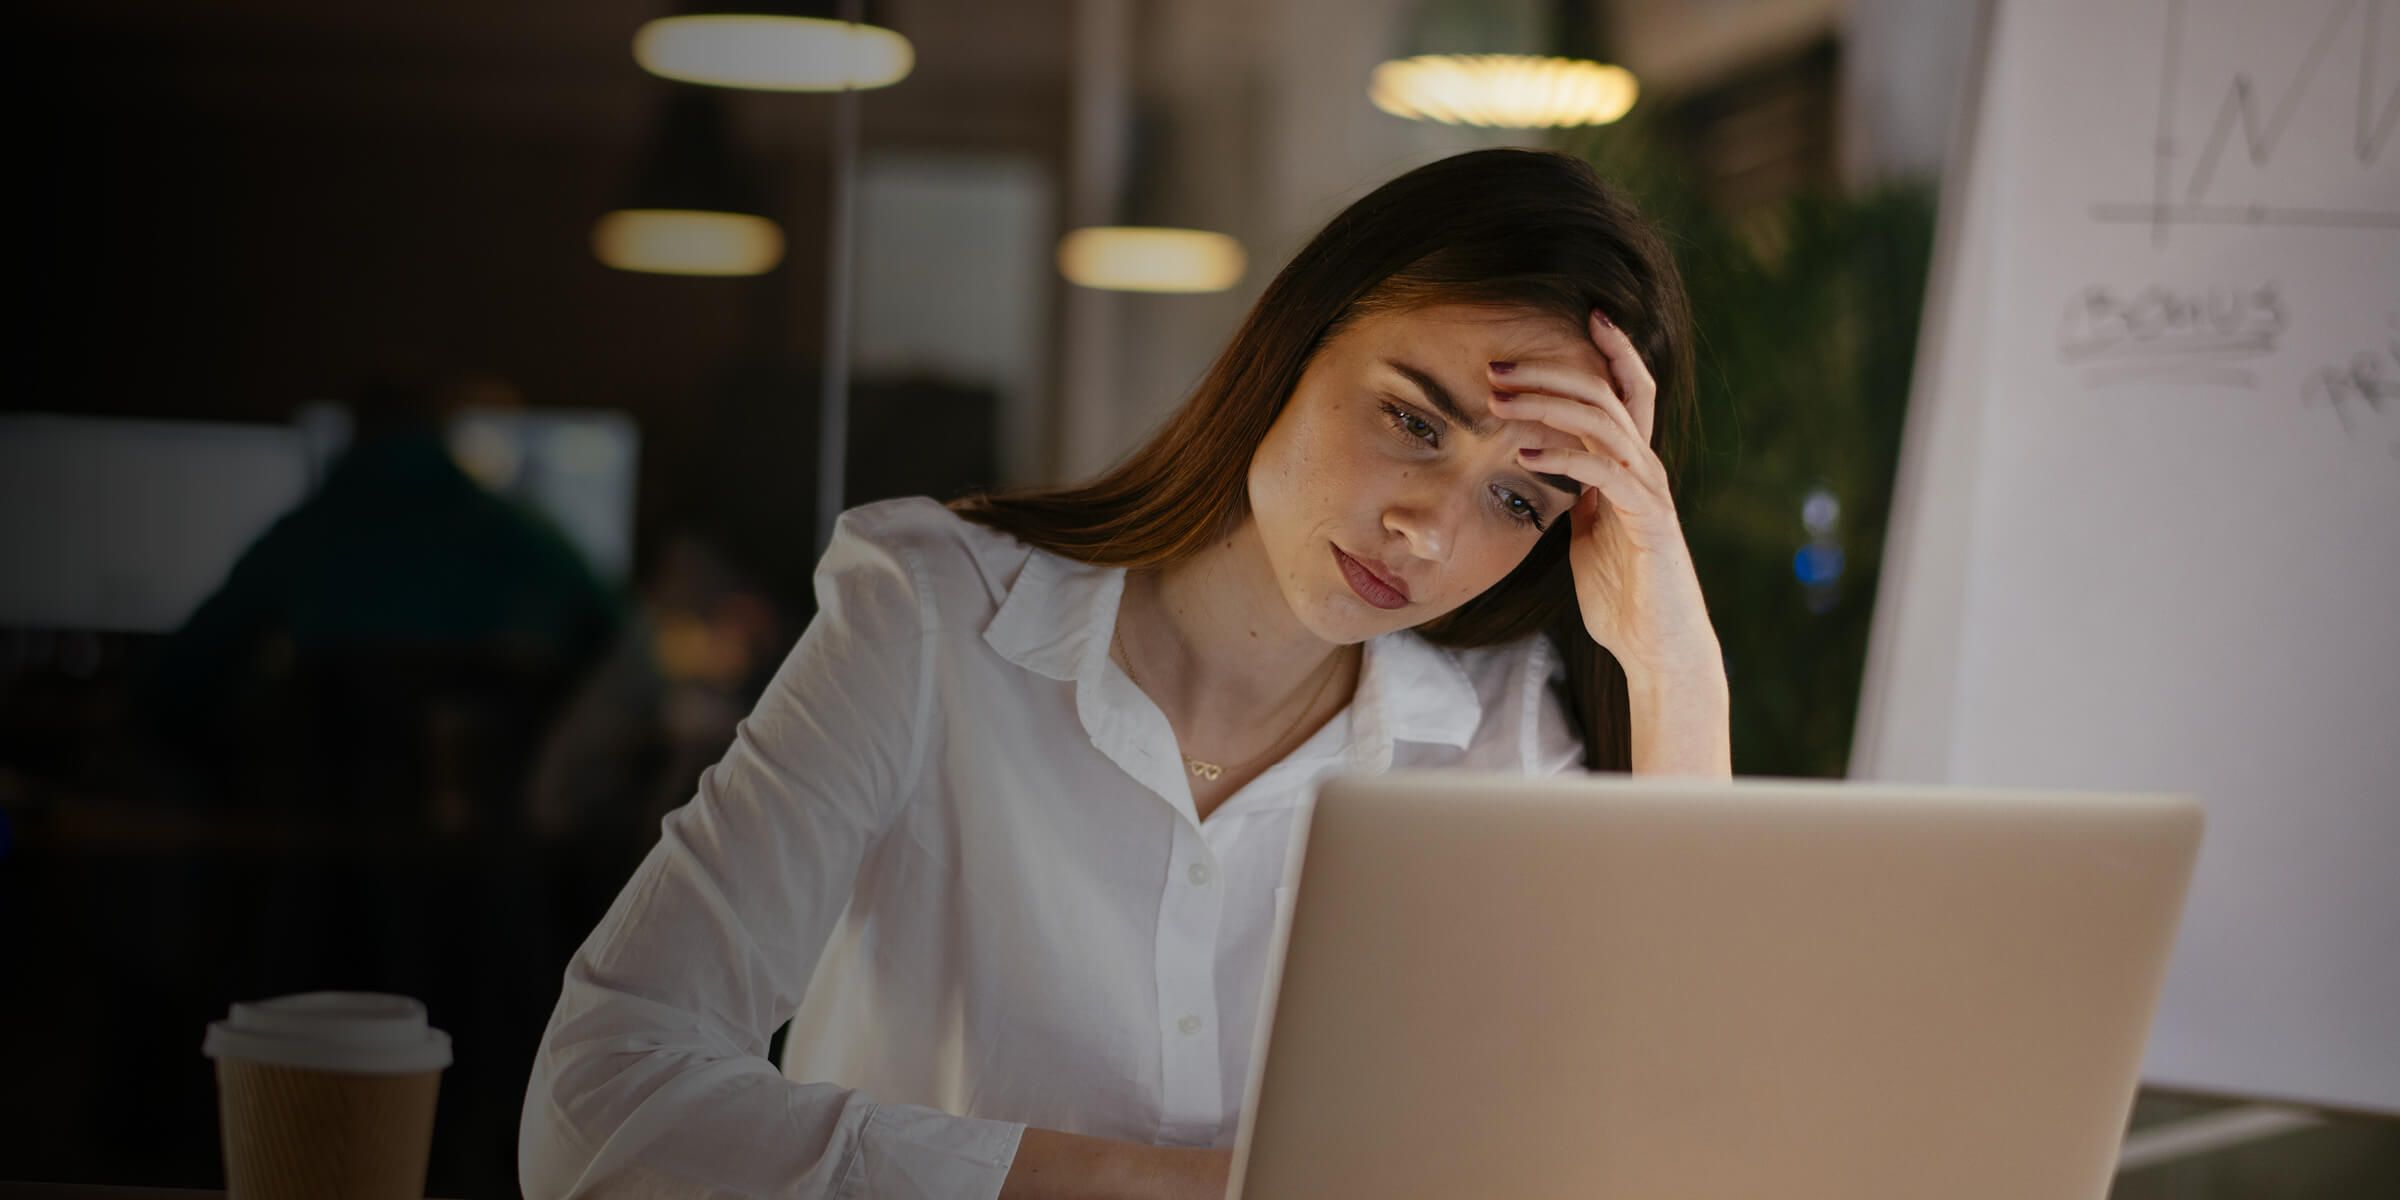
point(2257, 118)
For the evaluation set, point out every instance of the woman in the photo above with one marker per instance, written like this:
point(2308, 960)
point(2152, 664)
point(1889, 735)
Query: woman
point(1009, 829)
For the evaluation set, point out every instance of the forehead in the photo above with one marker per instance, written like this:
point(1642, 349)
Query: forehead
point(1475, 332)
point(1452, 343)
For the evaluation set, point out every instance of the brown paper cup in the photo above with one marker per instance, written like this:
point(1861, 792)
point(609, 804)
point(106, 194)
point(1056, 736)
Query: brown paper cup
point(294, 1133)
point(327, 1094)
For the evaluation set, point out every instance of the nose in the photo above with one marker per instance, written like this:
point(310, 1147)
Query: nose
point(1427, 520)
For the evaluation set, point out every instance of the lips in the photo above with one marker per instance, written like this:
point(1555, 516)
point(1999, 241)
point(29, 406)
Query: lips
point(1371, 586)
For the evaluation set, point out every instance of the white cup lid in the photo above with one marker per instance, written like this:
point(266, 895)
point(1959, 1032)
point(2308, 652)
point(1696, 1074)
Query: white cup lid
point(369, 1033)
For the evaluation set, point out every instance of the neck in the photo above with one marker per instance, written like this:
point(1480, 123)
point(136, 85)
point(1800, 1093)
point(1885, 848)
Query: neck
point(1219, 648)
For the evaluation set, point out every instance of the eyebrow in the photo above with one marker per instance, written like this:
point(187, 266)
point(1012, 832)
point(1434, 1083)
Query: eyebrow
point(1442, 399)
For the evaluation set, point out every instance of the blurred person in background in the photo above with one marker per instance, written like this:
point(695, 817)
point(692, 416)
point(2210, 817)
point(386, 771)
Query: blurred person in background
point(389, 647)
point(1005, 837)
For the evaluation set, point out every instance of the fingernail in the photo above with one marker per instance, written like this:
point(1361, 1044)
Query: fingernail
point(1528, 452)
point(1502, 368)
point(1604, 318)
point(1499, 395)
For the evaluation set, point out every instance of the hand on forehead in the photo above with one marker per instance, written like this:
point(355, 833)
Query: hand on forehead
point(1457, 342)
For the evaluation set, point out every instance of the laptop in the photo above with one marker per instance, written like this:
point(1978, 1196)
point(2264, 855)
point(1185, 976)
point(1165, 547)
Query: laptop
point(1611, 988)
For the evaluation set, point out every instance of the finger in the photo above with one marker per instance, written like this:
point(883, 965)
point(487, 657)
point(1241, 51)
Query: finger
point(1586, 422)
point(1603, 472)
point(1634, 383)
point(1583, 386)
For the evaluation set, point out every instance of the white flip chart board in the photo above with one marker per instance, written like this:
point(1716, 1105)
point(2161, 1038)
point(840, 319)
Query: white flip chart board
point(2147, 531)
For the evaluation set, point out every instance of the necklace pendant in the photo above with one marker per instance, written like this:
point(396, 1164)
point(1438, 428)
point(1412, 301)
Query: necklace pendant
point(1203, 770)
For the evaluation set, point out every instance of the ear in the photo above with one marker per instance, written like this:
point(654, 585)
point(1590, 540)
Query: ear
point(1586, 510)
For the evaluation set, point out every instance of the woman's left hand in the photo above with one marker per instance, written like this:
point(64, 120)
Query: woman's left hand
point(1633, 573)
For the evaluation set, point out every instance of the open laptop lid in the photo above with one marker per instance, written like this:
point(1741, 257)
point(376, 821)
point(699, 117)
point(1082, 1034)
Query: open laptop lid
point(1606, 987)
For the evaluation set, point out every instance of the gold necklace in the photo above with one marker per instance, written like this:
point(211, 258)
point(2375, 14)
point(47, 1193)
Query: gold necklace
point(1201, 768)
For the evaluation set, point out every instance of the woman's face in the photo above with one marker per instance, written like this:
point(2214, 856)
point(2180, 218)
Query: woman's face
point(1387, 494)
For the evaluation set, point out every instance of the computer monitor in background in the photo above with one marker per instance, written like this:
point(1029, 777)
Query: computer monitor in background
point(125, 526)
point(577, 467)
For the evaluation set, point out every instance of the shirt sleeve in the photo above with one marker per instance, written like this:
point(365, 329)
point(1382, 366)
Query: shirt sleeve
point(652, 1078)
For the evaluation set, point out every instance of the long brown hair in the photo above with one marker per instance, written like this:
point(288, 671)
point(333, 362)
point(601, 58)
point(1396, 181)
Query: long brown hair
point(1523, 229)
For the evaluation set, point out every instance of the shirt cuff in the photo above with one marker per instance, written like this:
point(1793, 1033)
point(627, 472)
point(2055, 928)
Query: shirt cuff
point(907, 1152)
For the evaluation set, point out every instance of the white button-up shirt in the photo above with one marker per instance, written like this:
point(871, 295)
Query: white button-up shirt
point(955, 845)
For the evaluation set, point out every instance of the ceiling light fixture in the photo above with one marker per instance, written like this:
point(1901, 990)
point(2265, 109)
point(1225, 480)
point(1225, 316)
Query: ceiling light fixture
point(696, 208)
point(775, 48)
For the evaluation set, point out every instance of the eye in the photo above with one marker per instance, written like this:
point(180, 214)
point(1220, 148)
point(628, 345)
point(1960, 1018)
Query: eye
point(1518, 508)
point(1410, 424)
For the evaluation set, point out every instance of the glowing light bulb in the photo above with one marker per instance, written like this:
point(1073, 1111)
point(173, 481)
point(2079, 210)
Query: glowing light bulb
point(684, 242)
point(773, 53)
point(1129, 258)
point(1507, 91)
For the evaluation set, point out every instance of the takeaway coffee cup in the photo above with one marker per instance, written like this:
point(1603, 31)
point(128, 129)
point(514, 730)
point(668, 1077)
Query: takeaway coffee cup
point(327, 1094)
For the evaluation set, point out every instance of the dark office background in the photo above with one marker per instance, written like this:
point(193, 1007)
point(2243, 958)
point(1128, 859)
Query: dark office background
point(416, 739)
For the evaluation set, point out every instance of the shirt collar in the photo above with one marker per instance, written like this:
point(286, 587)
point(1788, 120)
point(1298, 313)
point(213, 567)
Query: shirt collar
point(1418, 691)
point(1051, 613)
point(1057, 618)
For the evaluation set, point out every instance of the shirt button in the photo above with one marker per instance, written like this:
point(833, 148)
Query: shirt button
point(1199, 874)
point(1189, 1025)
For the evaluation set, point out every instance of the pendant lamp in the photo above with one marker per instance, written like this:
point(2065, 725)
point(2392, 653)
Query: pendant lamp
point(775, 47)
point(1146, 257)
point(696, 208)
point(1488, 64)
point(1150, 258)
